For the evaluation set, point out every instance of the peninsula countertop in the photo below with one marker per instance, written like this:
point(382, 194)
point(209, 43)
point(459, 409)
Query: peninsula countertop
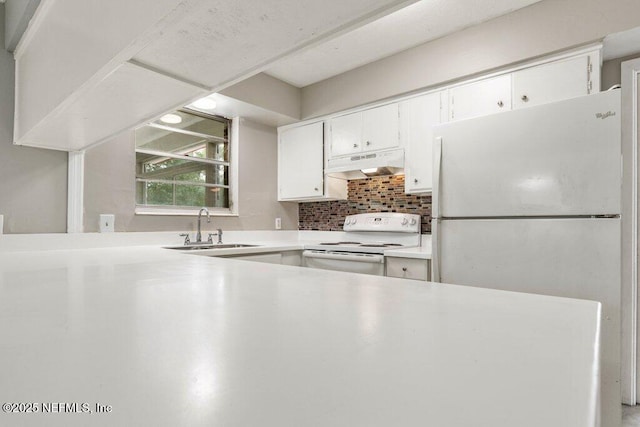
point(168, 339)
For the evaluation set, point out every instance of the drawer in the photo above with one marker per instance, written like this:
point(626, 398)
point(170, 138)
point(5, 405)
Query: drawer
point(407, 268)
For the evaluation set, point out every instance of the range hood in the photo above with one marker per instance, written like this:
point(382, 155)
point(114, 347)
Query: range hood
point(358, 166)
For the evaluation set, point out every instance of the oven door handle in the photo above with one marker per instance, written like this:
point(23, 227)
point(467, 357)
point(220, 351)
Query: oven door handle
point(371, 258)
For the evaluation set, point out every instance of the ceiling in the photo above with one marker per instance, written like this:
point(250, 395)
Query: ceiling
point(408, 27)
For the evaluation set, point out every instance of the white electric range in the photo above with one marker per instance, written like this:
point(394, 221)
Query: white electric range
point(366, 238)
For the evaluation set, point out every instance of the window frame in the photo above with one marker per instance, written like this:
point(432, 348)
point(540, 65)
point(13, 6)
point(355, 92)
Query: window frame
point(232, 164)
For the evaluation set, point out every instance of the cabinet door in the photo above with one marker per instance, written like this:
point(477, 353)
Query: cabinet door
point(551, 82)
point(480, 98)
point(301, 162)
point(418, 116)
point(380, 128)
point(346, 134)
point(407, 268)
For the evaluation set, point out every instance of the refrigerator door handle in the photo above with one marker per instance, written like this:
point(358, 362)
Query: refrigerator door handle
point(435, 209)
point(435, 250)
point(437, 162)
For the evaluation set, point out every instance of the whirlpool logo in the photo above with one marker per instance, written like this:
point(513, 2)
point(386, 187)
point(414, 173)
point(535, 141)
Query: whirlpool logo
point(605, 115)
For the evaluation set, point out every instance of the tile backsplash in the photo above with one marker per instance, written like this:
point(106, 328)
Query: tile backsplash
point(377, 194)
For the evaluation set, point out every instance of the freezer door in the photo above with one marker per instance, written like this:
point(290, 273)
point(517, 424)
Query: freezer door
point(576, 258)
point(556, 159)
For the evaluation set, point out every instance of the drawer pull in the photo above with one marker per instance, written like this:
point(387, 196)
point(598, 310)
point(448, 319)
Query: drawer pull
point(404, 269)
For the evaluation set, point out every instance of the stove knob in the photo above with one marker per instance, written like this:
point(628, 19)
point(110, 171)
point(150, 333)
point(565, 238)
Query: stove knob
point(353, 221)
point(413, 221)
point(405, 221)
point(347, 221)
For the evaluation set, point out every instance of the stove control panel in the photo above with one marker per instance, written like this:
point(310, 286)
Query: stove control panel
point(383, 221)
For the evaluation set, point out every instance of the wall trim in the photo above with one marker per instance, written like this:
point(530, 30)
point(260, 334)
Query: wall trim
point(75, 192)
point(630, 72)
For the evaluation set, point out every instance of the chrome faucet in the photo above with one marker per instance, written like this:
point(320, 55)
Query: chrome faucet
point(199, 235)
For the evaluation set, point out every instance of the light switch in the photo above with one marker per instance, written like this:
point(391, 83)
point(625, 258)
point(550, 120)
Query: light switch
point(107, 223)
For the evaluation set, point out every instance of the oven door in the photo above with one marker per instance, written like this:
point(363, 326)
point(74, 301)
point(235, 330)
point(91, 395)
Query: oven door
point(344, 261)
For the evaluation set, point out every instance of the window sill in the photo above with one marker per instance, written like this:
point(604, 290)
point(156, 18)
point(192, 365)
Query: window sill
point(144, 210)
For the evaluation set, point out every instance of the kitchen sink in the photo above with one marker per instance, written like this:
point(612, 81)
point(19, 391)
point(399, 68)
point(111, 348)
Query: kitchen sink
point(210, 246)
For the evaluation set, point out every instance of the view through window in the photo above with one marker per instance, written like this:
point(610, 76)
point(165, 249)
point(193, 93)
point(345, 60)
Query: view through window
point(182, 162)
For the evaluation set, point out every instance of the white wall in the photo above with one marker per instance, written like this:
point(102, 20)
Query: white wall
point(33, 182)
point(110, 187)
point(540, 29)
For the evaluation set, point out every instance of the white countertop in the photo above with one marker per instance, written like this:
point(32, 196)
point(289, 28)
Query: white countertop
point(422, 252)
point(170, 339)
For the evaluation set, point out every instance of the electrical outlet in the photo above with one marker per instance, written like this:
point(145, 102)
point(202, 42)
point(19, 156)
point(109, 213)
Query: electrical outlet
point(278, 223)
point(107, 223)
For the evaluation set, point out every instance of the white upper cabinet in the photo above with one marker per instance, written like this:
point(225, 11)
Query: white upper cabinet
point(368, 130)
point(417, 117)
point(480, 98)
point(346, 134)
point(553, 82)
point(300, 162)
point(380, 128)
point(408, 123)
point(301, 166)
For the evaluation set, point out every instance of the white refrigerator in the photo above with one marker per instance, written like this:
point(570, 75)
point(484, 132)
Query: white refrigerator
point(529, 200)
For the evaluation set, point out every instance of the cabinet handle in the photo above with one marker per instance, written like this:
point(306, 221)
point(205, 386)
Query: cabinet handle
point(368, 142)
point(355, 145)
point(525, 98)
point(316, 189)
point(415, 180)
point(500, 104)
point(404, 269)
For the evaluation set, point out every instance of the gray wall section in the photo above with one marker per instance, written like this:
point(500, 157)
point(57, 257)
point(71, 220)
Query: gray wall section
point(611, 71)
point(110, 187)
point(542, 28)
point(33, 182)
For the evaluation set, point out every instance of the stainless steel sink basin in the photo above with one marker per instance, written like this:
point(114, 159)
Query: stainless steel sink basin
point(210, 246)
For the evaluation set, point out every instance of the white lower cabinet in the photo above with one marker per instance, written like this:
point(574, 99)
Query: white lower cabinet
point(407, 268)
point(417, 117)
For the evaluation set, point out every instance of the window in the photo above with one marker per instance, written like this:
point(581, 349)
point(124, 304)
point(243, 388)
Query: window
point(182, 163)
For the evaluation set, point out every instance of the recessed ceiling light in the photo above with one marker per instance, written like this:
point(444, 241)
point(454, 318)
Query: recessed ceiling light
point(171, 119)
point(205, 104)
